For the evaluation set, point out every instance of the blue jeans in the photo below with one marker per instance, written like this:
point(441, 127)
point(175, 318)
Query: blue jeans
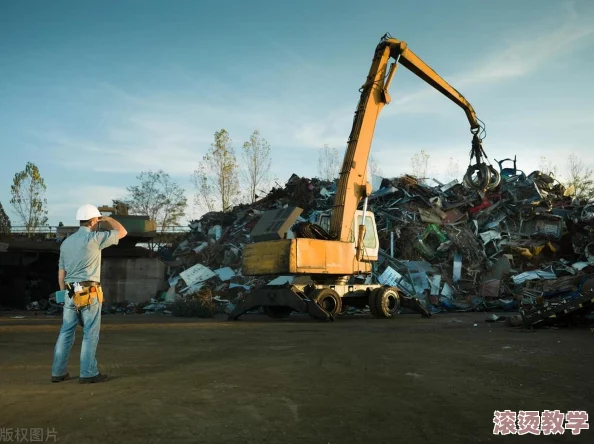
point(91, 318)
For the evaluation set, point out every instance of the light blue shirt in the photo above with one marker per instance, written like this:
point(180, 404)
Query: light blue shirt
point(80, 254)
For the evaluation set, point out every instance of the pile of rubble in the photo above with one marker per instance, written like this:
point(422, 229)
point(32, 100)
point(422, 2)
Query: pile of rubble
point(527, 246)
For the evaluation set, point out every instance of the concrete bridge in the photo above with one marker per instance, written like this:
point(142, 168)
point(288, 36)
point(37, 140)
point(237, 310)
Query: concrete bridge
point(156, 236)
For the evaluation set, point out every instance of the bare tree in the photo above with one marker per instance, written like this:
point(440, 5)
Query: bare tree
point(581, 177)
point(420, 165)
point(28, 202)
point(217, 173)
point(373, 169)
point(548, 167)
point(256, 156)
point(328, 163)
point(159, 197)
point(453, 170)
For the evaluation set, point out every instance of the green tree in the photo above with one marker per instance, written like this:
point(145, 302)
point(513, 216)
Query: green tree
point(157, 196)
point(256, 157)
point(28, 201)
point(4, 221)
point(216, 175)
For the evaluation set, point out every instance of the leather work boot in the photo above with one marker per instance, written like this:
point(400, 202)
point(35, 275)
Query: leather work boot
point(98, 378)
point(60, 378)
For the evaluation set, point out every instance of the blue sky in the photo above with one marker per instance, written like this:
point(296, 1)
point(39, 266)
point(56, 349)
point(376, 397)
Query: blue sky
point(95, 92)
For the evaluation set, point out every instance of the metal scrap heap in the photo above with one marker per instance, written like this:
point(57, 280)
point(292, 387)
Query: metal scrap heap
point(526, 246)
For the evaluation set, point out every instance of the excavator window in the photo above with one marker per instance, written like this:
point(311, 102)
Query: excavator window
point(369, 238)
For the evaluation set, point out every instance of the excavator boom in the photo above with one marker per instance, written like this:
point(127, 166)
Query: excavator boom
point(352, 184)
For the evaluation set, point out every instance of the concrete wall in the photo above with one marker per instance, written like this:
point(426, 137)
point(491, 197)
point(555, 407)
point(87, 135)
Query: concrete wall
point(132, 279)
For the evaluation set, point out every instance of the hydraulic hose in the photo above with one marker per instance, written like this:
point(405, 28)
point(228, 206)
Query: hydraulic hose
point(311, 231)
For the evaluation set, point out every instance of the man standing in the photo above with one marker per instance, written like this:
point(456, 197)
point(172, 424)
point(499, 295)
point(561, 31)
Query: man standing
point(80, 273)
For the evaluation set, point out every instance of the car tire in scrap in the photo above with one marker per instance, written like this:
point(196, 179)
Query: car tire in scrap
point(328, 299)
point(278, 312)
point(384, 302)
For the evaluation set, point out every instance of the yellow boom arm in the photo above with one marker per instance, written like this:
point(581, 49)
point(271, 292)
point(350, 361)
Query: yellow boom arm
point(352, 184)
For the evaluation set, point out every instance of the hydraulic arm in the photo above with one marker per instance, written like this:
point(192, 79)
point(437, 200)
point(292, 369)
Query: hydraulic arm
point(352, 184)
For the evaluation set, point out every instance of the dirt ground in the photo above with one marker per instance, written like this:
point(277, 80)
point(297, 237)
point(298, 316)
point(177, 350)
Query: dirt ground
point(295, 381)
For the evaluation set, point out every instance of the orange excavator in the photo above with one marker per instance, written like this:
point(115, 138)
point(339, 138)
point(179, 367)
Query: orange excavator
point(318, 271)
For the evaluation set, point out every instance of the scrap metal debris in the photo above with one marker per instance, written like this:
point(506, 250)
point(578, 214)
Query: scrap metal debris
point(524, 245)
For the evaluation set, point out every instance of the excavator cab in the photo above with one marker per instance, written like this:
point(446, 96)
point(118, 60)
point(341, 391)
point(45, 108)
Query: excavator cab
point(370, 240)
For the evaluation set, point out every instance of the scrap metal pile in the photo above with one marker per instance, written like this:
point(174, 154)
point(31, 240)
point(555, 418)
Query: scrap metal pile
point(527, 245)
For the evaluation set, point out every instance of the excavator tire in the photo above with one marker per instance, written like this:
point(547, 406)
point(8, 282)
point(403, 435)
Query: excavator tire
point(372, 304)
point(328, 299)
point(385, 302)
point(278, 312)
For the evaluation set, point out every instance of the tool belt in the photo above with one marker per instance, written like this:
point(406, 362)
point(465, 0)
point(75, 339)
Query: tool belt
point(87, 293)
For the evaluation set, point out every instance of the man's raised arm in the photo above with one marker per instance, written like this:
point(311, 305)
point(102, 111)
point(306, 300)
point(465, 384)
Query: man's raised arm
point(115, 225)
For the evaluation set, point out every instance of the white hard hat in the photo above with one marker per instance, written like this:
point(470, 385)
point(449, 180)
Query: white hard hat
point(87, 212)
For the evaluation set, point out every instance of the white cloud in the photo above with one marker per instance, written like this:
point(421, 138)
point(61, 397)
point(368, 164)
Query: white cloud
point(173, 133)
point(524, 53)
point(525, 56)
point(571, 8)
point(64, 200)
